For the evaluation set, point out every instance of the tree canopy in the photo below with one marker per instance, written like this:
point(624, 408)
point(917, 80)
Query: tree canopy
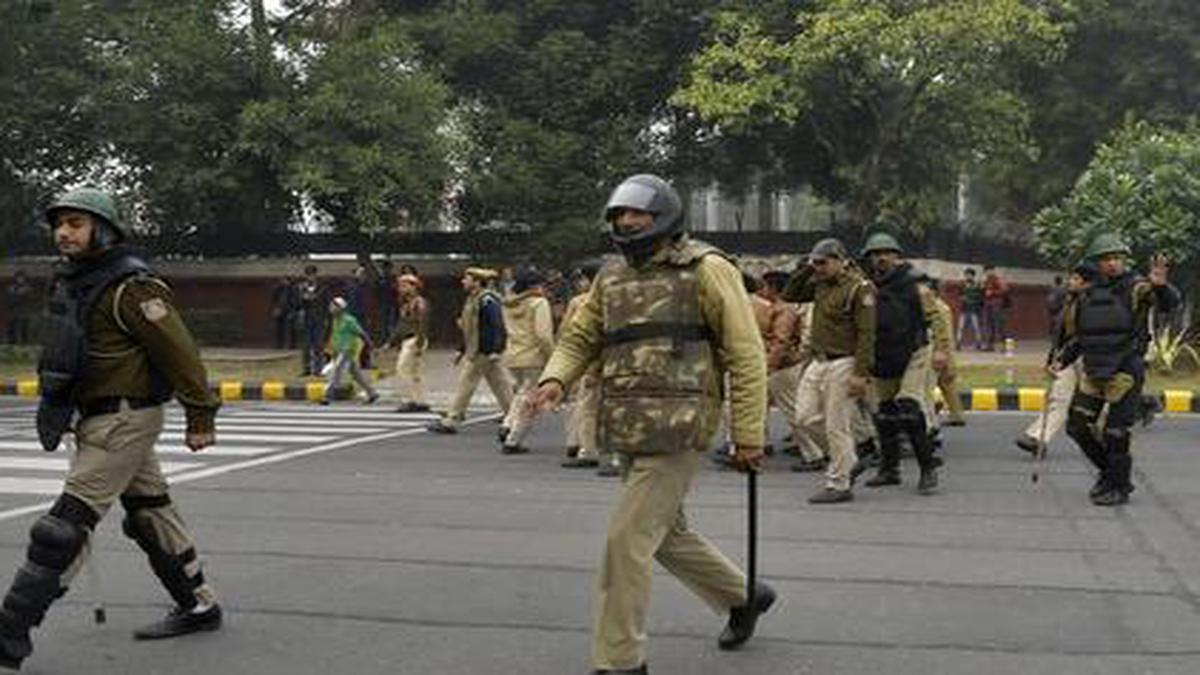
point(216, 118)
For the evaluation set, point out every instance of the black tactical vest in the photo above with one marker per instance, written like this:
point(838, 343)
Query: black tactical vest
point(1106, 327)
point(63, 362)
point(900, 326)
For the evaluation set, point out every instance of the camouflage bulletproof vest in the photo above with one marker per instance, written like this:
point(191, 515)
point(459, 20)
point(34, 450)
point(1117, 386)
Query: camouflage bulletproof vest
point(660, 380)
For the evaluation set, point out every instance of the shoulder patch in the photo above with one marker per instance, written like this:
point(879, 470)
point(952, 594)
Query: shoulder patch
point(154, 310)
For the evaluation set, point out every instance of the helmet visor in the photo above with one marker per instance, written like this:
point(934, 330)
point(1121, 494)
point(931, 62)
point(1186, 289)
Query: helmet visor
point(631, 196)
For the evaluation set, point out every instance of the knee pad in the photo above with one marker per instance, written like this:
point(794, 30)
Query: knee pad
point(171, 569)
point(56, 538)
point(55, 541)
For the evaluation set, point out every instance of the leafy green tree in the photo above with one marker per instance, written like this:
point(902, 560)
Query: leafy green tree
point(559, 99)
point(48, 130)
point(1138, 58)
point(897, 97)
point(176, 79)
point(360, 131)
point(1143, 184)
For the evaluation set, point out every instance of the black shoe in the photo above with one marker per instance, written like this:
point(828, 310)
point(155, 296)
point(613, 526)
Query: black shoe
point(1100, 487)
point(883, 479)
point(1027, 443)
point(577, 462)
point(810, 465)
point(372, 399)
point(440, 427)
point(502, 434)
point(412, 407)
point(14, 649)
point(507, 449)
point(928, 483)
point(955, 422)
point(181, 621)
point(609, 470)
point(743, 619)
point(1111, 497)
point(324, 401)
point(831, 496)
point(640, 670)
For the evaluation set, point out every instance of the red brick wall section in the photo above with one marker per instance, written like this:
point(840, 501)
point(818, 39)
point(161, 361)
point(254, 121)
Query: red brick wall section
point(251, 299)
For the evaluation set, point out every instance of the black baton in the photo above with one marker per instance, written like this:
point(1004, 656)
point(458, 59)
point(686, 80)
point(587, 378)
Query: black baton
point(751, 535)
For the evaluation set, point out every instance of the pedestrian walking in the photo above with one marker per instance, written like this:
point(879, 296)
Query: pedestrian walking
point(971, 316)
point(997, 299)
point(312, 309)
point(412, 337)
point(945, 367)
point(283, 303)
point(484, 336)
point(584, 447)
point(842, 355)
point(1105, 327)
point(529, 322)
point(115, 351)
point(1037, 436)
point(657, 321)
point(782, 330)
point(21, 301)
point(903, 365)
point(347, 339)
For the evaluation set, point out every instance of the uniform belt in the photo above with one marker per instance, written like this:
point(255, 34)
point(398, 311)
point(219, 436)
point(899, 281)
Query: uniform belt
point(111, 404)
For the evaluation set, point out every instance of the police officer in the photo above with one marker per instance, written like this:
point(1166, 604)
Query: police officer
point(530, 325)
point(1106, 326)
point(842, 350)
point(412, 336)
point(484, 336)
point(117, 351)
point(657, 321)
point(945, 368)
point(904, 358)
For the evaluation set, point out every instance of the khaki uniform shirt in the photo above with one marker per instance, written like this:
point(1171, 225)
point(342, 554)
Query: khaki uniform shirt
point(135, 324)
point(726, 309)
point(843, 316)
point(530, 326)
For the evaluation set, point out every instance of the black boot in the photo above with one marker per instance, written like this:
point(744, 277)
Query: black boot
point(889, 447)
point(928, 484)
point(55, 541)
point(742, 620)
point(181, 621)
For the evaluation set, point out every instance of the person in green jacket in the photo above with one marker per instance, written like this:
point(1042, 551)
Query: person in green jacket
point(347, 339)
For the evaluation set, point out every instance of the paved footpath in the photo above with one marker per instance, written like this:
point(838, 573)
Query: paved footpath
point(372, 547)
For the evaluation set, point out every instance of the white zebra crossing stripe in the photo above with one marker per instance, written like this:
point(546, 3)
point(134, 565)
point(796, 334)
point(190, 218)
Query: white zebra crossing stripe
point(214, 451)
point(62, 464)
point(223, 429)
point(253, 438)
point(31, 486)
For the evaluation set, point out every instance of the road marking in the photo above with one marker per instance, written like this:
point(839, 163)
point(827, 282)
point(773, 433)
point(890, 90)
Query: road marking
point(62, 464)
point(253, 438)
point(232, 450)
point(190, 476)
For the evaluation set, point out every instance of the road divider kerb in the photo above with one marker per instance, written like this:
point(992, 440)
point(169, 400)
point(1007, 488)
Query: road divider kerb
point(980, 399)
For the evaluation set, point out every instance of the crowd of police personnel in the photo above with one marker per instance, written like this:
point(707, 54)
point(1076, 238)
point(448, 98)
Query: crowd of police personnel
point(667, 344)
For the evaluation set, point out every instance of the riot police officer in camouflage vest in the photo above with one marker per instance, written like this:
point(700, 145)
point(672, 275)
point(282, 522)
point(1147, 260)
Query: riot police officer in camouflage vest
point(666, 324)
point(905, 309)
point(1106, 324)
point(117, 350)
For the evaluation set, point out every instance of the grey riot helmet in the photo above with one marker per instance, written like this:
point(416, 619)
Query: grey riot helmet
point(649, 193)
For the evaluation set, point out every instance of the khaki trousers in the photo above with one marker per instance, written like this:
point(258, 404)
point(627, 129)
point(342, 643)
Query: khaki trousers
point(410, 371)
point(517, 420)
point(913, 384)
point(648, 523)
point(115, 456)
point(783, 389)
point(581, 421)
point(947, 381)
point(826, 409)
point(1058, 405)
point(479, 367)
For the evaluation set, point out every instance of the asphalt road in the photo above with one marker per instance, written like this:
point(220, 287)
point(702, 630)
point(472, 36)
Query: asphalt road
point(346, 540)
